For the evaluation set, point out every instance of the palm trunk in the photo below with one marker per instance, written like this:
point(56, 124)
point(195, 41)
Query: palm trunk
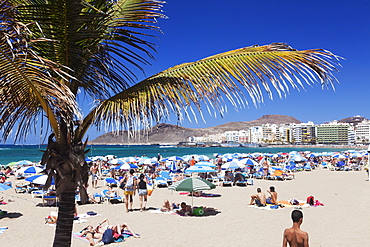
point(64, 225)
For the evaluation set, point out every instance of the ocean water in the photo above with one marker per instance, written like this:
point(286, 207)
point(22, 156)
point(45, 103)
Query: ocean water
point(9, 153)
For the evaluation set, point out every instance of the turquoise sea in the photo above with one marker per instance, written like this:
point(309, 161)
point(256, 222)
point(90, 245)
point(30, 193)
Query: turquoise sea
point(9, 153)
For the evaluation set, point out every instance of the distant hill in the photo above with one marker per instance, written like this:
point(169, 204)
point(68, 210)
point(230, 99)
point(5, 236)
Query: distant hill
point(353, 120)
point(168, 133)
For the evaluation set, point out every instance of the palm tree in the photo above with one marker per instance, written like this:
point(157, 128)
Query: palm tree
point(55, 52)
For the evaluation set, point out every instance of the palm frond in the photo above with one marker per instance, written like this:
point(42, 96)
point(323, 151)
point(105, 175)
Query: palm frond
point(90, 35)
point(27, 84)
point(257, 69)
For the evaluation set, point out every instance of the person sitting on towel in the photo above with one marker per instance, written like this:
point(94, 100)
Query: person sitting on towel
point(272, 199)
point(258, 199)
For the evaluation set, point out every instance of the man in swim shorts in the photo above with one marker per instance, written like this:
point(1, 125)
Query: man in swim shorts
point(258, 199)
point(294, 235)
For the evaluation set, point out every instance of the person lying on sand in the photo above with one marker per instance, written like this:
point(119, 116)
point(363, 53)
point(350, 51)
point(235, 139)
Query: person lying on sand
point(167, 206)
point(92, 233)
point(187, 210)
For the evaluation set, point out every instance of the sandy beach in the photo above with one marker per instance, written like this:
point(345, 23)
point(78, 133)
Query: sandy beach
point(343, 221)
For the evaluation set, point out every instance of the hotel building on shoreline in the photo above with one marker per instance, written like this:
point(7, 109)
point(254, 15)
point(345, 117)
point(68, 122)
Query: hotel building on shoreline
point(333, 133)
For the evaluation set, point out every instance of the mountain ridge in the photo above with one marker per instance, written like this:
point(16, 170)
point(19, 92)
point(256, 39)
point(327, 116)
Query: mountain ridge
point(168, 133)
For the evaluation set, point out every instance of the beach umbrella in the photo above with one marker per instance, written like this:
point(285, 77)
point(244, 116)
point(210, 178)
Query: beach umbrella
point(233, 165)
point(175, 158)
point(95, 158)
point(24, 162)
point(145, 161)
point(276, 156)
point(202, 158)
point(298, 158)
point(191, 185)
point(4, 187)
point(126, 166)
point(249, 162)
point(11, 164)
point(197, 168)
point(116, 162)
point(30, 169)
point(131, 159)
point(340, 156)
point(205, 163)
point(173, 166)
point(88, 160)
point(39, 179)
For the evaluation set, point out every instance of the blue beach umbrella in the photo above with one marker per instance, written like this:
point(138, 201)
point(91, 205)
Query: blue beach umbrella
point(4, 187)
point(39, 179)
point(340, 156)
point(30, 169)
point(175, 158)
point(126, 166)
point(197, 168)
point(24, 162)
point(205, 163)
point(249, 162)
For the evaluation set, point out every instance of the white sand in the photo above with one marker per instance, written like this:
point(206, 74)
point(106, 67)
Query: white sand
point(343, 221)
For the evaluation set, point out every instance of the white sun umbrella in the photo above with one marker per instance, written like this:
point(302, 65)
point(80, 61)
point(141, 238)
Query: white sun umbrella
point(205, 163)
point(24, 162)
point(232, 165)
point(340, 156)
point(116, 162)
point(198, 168)
point(248, 161)
point(39, 179)
point(298, 158)
point(30, 169)
point(95, 158)
point(131, 159)
point(126, 166)
point(202, 158)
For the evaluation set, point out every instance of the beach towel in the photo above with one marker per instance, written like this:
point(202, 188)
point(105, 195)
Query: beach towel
point(267, 207)
point(159, 211)
point(125, 234)
point(2, 229)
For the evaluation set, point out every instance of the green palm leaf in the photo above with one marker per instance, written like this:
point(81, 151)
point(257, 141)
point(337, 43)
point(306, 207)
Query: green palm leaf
point(276, 66)
point(97, 39)
point(26, 82)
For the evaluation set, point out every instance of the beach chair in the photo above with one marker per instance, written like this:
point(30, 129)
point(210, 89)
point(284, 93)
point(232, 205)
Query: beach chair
point(240, 180)
point(109, 199)
point(307, 167)
point(166, 176)
point(38, 193)
point(110, 182)
point(49, 200)
point(160, 182)
point(20, 188)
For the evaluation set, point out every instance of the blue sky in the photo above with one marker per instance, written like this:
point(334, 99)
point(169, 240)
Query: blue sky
point(196, 29)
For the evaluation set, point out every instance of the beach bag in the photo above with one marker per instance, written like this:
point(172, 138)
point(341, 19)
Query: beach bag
point(310, 200)
point(198, 211)
point(122, 185)
point(107, 237)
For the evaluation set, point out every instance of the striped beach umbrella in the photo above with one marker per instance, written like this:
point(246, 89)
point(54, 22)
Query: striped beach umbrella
point(191, 185)
point(30, 169)
point(197, 168)
point(39, 179)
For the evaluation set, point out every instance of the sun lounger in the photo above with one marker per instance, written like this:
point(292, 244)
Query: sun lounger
point(160, 182)
point(111, 182)
point(109, 199)
point(49, 200)
point(20, 188)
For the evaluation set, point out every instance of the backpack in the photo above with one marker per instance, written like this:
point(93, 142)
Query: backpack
point(130, 183)
point(107, 237)
point(310, 200)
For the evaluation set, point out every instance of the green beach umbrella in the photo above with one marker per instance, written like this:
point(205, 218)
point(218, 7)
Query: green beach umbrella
point(191, 185)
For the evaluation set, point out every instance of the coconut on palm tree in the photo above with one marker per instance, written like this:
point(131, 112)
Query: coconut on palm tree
point(54, 53)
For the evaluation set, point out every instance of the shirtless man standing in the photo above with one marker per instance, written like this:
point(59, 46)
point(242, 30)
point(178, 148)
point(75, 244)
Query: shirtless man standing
point(294, 235)
point(94, 175)
point(259, 199)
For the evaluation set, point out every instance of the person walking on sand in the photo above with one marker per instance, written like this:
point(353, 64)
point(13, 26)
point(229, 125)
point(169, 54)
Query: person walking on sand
point(294, 235)
point(142, 191)
point(129, 190)
point(94, 175)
